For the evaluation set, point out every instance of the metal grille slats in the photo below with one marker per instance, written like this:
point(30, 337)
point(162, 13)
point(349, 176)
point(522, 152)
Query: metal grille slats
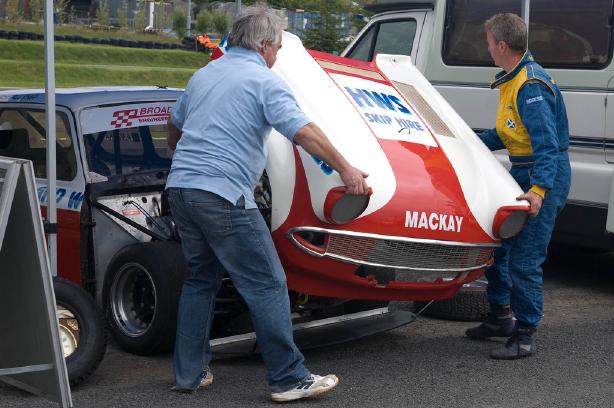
point(407, 255)
point(424, 108)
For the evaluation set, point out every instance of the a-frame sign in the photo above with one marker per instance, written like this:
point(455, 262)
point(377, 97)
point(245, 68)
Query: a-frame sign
point(30, 354)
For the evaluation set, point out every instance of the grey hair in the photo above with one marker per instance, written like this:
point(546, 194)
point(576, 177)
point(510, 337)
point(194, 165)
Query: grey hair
point(509, 28)
point(254, 28)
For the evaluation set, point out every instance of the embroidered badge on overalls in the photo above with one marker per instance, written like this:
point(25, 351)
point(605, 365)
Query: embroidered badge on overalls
point(511, 124)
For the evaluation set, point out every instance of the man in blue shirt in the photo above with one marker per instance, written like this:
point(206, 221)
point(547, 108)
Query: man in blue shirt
point(532, 126)
point(219, 127)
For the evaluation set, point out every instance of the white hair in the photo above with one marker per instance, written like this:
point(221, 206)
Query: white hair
point(257, 26)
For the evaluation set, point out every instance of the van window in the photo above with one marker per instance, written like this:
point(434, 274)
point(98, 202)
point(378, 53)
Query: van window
point(387, 37)
point(464, 41)
point(362, 50)
point(22, 135)
point(127, 151)
point(570, 33)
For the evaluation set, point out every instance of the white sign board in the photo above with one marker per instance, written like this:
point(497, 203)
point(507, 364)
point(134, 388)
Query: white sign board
point(30, 354)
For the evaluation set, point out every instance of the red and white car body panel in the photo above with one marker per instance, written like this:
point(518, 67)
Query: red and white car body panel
point(436, 188)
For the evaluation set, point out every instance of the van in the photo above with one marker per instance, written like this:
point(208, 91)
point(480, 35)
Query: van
point(572, 40)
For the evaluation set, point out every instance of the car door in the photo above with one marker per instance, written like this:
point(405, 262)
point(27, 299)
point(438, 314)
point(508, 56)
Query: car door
point(23, 135)
point(397, 33)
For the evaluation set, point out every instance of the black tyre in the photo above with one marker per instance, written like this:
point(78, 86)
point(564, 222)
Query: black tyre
point(469, 304)
point(82, 331)
point(140, 296)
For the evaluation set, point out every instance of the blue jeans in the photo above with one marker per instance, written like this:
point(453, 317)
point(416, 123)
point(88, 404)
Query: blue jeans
point(515, 278)
point(217, 236)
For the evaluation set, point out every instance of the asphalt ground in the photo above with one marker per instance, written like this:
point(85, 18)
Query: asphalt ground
point(428, 363)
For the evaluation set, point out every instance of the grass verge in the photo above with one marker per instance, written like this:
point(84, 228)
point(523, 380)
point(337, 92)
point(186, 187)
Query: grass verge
point(18, 75)
point(22, 65)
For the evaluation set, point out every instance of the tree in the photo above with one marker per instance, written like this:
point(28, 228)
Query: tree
point(72, 15)
point(122, 14)
point(11, 9)
point(62, 8)
point(36, 10)
point(324, 33)
point(141, 16)
point(221, 22)
point(204, 21)
point(102, 12)
point(180, 22)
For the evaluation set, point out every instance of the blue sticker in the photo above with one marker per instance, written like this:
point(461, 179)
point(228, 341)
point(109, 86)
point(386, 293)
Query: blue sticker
point(365, 98)
point(325, 167)
point(76, 197)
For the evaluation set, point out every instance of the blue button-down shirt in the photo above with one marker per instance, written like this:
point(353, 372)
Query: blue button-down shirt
point(225, 116)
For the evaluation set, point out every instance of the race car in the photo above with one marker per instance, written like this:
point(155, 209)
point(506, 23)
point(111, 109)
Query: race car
point(439, 205)
point(440, 201)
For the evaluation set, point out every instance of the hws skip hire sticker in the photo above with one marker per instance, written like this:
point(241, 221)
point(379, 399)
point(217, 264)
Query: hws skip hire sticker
point(387, 114)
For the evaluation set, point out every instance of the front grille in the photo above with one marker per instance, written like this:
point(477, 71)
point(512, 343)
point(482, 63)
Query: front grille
point(420, 255)
point(408, 255)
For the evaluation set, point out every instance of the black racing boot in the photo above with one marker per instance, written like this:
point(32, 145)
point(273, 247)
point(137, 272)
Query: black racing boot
point(521, 344)
point(499, 323)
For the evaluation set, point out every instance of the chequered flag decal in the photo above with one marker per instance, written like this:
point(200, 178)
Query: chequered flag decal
point(122, 118)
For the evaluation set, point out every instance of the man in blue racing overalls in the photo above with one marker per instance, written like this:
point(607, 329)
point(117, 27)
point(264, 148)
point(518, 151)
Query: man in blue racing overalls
point(532, 125)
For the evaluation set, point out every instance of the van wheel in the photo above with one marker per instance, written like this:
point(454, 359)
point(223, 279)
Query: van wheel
point(140, 296)
point(469, 304)
point(82, 331)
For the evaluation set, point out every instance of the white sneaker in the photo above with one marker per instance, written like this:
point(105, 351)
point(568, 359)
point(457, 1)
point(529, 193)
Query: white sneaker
point(207, 380)
point(309, 387)
point(204, 382)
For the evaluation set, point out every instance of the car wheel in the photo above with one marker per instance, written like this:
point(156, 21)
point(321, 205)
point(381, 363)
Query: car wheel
point(469, 304)
point(82, 331)
point(140, 296)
